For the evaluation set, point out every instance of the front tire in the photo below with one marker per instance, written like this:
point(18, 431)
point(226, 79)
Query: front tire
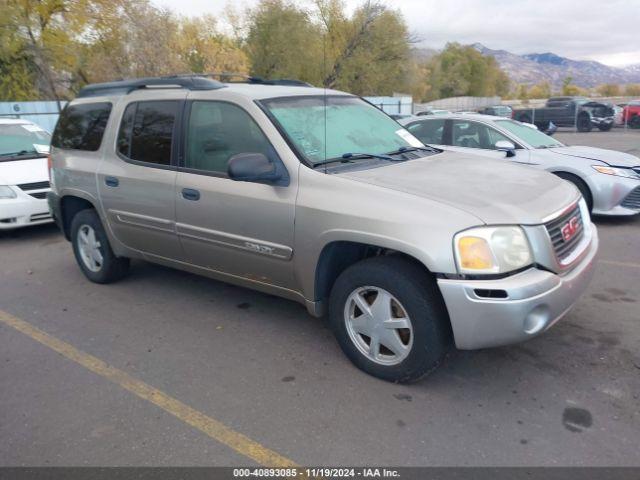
point(390, 319)
point(92, 250)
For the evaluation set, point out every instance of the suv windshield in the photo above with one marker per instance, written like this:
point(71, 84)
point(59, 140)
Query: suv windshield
point(352, 127)
point(529, 135)
point(20, 139)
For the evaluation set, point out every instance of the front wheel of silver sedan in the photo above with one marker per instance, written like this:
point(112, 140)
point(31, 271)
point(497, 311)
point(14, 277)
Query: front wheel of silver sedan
point(389, 318)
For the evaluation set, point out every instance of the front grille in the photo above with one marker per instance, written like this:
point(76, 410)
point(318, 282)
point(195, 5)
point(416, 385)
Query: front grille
point(40, 216)
point(39, 195)
point(33, 186)
point(632, 200)
point(563, 248)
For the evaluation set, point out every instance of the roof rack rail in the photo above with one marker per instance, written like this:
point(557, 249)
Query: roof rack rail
point(123, 87)
point(227, 77)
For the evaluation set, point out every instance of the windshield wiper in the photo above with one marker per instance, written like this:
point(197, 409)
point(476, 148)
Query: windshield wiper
point(412, 149)
point(18, 154)
point(350, 156)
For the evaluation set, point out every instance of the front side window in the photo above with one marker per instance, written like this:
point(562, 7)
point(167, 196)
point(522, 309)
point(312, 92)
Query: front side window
point(428, 131)
point(146, 131)
point(465, 133)
point(21, 139)
point(219, 130)
point(324, 128)
point(81, 127)
point(529, 135)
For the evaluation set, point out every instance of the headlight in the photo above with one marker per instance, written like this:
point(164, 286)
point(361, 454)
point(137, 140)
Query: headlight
point(617, 171)
point(492, 250)
point(6, 192)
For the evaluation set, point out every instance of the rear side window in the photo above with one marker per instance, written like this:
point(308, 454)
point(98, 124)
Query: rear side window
point(81, 127)
point(147, 130)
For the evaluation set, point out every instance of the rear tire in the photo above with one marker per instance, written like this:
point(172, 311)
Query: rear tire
point(92, 250)
point(412, 295)
point(580, 185)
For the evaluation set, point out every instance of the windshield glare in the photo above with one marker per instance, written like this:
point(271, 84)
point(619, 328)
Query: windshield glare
point(352, 126)
point(23, 139)
point(529, 135)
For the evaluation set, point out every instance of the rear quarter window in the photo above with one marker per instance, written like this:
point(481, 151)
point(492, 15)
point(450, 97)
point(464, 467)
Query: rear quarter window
point(81, 127)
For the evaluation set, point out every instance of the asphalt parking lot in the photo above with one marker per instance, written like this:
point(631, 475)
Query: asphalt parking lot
point(197, 372)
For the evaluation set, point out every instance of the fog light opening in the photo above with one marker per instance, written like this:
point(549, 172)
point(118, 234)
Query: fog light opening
point(536, 320)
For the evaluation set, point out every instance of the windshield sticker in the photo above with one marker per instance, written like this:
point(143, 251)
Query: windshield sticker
point(41, 148)
point(32, 128)
point(407, 137)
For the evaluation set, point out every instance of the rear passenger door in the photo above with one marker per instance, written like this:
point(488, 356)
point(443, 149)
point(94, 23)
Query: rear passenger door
point(137, 181)
point(243, 229)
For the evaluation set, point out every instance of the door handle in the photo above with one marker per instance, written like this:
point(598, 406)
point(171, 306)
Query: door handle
point(190, 194)
point(111, 181)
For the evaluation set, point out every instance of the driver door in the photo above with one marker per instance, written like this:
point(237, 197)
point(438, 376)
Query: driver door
point(243, 229)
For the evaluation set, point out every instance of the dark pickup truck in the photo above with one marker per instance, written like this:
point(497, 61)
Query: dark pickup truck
point(579, 112)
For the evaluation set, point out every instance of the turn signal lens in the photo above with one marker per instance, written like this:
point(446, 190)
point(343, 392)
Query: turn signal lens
point(475, 253)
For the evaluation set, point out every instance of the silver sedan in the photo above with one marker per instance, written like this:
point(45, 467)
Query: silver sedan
point(608, 180)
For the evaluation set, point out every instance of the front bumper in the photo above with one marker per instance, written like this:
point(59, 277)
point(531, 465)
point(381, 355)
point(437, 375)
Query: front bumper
point(614, 195)
point(23, 211)
point(535, 300)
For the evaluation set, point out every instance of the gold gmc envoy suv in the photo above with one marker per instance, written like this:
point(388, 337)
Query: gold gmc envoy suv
point(317, 196)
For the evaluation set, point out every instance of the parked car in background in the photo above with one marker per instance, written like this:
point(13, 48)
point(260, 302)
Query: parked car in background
point(631, 114)
point(618, 115)
point(578, 112)
point(432, 111)
point(608, 180)
point(497, 111)
point(24, 179)
point(407, 247)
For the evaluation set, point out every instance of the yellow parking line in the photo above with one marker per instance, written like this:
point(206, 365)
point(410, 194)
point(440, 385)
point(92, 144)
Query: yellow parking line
point(620, 264)
point(211, 427)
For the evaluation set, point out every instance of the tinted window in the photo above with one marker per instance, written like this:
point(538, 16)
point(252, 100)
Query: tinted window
point(81, 127)
point(428, 131)
point(146, 131)
point(217, 131)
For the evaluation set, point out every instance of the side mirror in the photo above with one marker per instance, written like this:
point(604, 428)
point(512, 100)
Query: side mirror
point(507, 147)
point(257, 168)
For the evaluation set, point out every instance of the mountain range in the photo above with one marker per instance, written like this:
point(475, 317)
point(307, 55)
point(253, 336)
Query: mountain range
point(539, 67)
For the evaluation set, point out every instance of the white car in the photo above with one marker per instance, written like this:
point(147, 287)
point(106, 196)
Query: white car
point(24, 177)
point(608, 180)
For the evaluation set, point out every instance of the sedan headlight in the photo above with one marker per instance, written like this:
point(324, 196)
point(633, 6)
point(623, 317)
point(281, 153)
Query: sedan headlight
point(6, 192)
point(485, 250)
point(617, 171)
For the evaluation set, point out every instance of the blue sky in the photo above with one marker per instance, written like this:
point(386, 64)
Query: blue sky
point(601, 30)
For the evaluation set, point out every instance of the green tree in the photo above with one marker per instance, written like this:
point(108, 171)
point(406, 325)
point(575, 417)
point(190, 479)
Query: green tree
point(461, 70)
point(632, 90)
point(540, 90)
point(283, 42)
point(608, 90)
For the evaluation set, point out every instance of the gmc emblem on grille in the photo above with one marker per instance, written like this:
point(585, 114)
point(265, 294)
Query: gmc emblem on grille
point(569, 229)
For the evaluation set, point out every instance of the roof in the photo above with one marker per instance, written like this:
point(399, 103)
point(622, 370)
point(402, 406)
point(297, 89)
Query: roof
point(455, 116)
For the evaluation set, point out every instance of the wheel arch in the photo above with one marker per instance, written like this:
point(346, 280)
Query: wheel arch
point(571, 175)
point(336, 256)
point(70, 205)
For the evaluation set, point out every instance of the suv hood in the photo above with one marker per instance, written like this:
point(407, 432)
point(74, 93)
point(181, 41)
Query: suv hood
point(611, 157)
point(495, 191)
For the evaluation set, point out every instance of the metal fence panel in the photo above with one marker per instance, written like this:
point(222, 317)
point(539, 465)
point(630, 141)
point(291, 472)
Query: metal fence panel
point(45, 114)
